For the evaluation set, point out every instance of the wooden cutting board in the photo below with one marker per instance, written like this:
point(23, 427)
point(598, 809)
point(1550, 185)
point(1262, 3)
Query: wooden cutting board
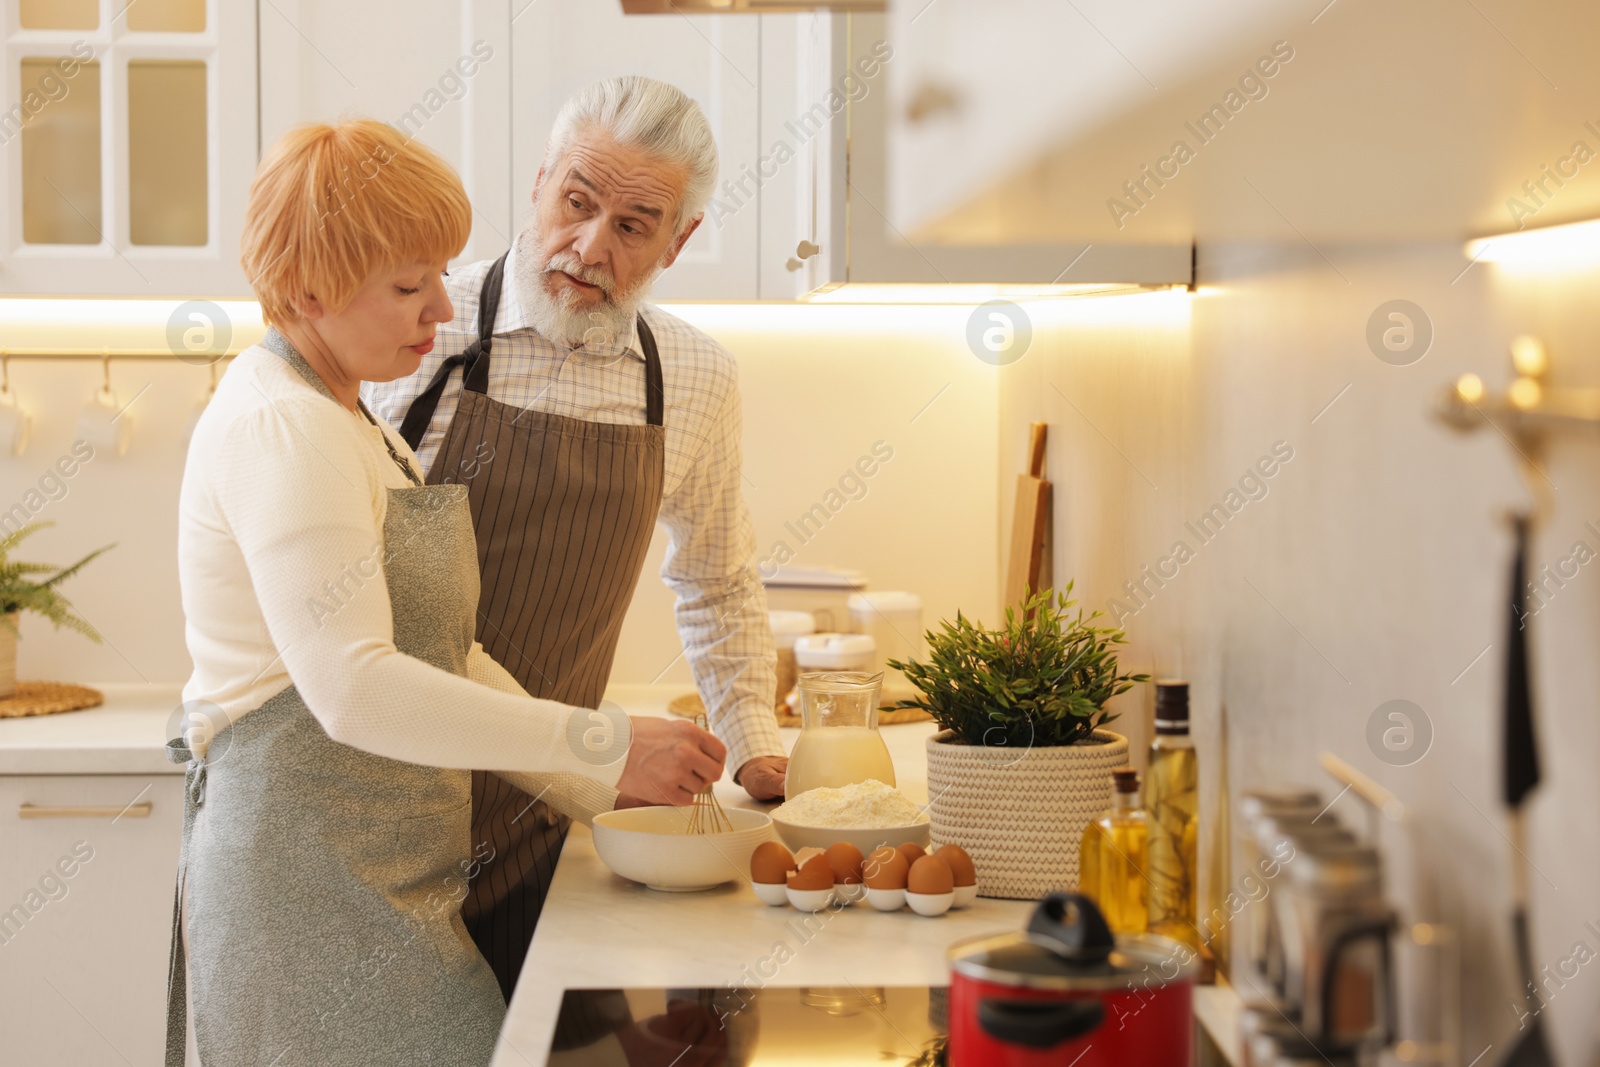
point(689, 706)
point(1029, 523)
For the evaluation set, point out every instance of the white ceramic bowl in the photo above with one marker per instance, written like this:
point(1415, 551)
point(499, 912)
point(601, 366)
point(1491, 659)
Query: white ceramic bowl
point(799, 837)
point(652, 846)
point(965, 895)
point(776, 896)
point(930, 904)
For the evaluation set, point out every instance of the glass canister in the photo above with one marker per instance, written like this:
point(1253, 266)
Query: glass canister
point(839, 743)
point(787, 628)
point(894, 619)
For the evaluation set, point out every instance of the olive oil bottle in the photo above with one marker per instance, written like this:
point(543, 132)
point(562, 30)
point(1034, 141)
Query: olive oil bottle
point(1171, 799)
point(1111, 858)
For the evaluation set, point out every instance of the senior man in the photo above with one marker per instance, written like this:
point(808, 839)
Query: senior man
point(596, 415)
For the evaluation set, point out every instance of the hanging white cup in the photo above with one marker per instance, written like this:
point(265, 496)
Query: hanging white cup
point(104, 424)
point(16, 424)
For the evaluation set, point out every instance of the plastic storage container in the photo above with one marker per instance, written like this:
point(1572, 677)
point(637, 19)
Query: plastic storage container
point(835, 652)
point(893, 619)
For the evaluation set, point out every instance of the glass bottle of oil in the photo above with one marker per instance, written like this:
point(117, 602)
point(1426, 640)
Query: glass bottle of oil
point(1111, 858)
point(1171, 799)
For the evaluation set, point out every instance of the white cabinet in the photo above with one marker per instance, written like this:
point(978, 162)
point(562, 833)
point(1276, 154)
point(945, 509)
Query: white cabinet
point(441, 73)
point(798, 165)
point(127, 140)
point(842, 192)
point(560, 46)
point(892, 179)
point(85, 916)
point(842, 137)
point(1020, 120)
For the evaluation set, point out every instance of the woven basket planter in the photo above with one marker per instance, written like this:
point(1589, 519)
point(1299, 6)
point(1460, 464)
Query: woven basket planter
point(1020, 816)
point(8, 655)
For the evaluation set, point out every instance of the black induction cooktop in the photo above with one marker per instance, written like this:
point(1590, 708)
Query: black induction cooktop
point(893, 1026)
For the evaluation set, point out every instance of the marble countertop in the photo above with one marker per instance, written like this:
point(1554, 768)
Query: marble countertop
point(124, 735)
point(599, 930)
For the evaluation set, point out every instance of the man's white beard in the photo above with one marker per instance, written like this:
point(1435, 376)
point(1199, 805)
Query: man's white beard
point(606, 325)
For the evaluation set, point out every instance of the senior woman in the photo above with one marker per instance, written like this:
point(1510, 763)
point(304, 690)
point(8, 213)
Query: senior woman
point(330, 603)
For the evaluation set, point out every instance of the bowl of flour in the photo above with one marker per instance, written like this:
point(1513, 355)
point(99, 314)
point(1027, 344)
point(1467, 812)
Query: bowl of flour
point(866, 814)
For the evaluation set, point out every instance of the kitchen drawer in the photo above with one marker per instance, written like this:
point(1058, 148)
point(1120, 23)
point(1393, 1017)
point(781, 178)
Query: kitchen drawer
point(87, 869)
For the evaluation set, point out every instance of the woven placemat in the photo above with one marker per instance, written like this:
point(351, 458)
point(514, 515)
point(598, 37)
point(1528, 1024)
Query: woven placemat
point(689, 705)
point(48, 698)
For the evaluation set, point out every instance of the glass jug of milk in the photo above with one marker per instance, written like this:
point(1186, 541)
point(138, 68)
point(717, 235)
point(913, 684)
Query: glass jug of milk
point(839, 743)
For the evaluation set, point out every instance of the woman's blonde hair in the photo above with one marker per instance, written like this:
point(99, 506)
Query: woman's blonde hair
point(333, 204)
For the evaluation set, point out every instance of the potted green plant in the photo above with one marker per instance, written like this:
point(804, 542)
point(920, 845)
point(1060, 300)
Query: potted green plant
point(1023, 760)
point(20, 591)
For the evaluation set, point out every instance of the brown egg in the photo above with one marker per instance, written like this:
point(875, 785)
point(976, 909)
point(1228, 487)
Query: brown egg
point(814, 873)
point(961, 866)
point(912, 852)
point(929, 876)
point(885, 869)
point(846, 861)
point(806, 853)
point(771, 863)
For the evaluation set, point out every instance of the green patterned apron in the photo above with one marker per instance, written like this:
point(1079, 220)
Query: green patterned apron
point(325, 883)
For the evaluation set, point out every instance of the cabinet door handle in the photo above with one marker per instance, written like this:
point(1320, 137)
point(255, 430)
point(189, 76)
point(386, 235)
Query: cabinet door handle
point(931, 99)
point(50, 811)
point(802, 252)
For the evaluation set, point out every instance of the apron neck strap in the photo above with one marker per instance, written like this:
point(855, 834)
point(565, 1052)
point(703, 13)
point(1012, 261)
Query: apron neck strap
point(655, 393)
point(475, 375)
point(280, 346)
point(475, 365)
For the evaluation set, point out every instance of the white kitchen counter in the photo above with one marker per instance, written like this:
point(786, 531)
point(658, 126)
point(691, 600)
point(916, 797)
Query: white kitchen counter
point(600, 931)
point(124, 735)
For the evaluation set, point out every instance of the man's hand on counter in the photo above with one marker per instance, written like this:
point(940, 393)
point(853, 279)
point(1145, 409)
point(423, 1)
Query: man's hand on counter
point(763, 777)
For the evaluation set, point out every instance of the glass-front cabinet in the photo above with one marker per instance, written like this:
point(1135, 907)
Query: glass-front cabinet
point(128, 133)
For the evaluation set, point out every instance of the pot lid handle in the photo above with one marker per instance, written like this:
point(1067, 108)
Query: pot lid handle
point(1071, 926)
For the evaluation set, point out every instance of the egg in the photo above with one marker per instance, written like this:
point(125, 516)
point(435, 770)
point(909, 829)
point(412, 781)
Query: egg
point(961, 866)
point(846, 861)
point(805, 854)
point(814, 873)
point(885, 869)
point(929, 877)
point(771, 863)
point(912, 852)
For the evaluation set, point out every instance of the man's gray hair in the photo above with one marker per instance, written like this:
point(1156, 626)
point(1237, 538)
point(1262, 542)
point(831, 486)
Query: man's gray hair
point(649, 115)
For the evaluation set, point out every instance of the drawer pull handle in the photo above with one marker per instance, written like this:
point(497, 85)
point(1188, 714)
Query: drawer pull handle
point(49, 811)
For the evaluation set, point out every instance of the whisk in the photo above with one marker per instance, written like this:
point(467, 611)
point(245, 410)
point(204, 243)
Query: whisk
point(706, 815)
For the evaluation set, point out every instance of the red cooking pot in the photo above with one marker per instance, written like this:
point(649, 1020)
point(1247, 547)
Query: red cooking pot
point(1068, 992)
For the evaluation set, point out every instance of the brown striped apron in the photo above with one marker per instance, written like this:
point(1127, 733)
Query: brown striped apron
point(563, 511)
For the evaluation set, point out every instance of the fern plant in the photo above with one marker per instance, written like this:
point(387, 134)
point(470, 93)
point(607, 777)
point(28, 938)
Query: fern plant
point(1041, 680)
point(21, 591)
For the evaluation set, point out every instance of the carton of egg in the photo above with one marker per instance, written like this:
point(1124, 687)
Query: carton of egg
point(888, 879)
